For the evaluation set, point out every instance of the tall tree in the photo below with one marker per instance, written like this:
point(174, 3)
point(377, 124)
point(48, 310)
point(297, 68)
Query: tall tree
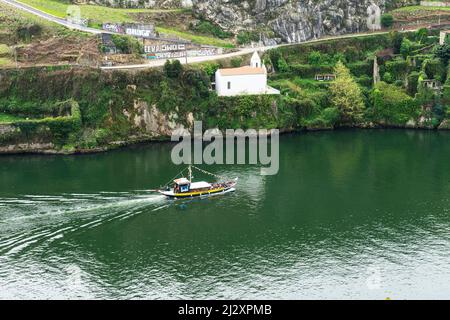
point(346, 95)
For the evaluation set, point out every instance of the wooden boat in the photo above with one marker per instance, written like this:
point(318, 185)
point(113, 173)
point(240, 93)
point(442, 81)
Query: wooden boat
point(185, 188)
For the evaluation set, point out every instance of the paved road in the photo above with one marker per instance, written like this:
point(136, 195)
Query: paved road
point(244, 51)
point(241, 52)
point(49, 17)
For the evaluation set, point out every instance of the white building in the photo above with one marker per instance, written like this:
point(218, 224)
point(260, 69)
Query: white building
point(444, 36)
point(248, 80)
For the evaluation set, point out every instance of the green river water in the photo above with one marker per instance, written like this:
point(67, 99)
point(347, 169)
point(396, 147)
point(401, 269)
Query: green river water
point(351, 214)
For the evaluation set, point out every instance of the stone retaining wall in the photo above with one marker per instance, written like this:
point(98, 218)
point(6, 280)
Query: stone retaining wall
point(435, 3)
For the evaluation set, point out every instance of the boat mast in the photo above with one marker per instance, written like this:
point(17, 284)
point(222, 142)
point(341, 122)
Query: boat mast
point(190, 173)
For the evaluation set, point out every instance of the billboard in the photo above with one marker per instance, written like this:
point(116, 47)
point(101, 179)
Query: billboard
point(135, 30)
point(113, 27)
point(164, 47)
point(140, 30)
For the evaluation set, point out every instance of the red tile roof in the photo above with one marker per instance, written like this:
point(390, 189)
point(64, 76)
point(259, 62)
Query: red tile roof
point(242, 71)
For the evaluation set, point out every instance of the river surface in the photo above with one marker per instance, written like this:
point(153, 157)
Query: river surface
point(351, 214)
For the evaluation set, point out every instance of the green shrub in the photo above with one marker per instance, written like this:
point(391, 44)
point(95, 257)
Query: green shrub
point(314, 58)
point(210, 68)
point(128, 44)
point(245, 37)
point(283, 66)
point(26, 33)
point(388, 77)
point(173, 68)
point(413, 81)
point(398, 68)
point(442, 52)
point(396, 39)
point(364, 80)
point(209, 28)
point(309, 71)
point(391, 105)
point(236, 62)
point(330, 115)
point(387, 20)
point(434, 69)
point(361, 68)
point(421, 35)
point(59, 127)
point(406, 47)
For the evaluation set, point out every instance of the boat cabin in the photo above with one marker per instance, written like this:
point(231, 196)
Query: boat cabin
point(183, 185)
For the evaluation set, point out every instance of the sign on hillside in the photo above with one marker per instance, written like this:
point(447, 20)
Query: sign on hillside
point(166, 49)
point(135, 30)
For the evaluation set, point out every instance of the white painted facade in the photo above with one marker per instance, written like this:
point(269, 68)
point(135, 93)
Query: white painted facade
point(249, 80)
point(443, 36)
point(241, 84)
point(255, 61)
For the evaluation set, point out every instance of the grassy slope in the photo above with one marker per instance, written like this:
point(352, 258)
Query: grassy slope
point(197, 38)
point(11, 18)
point(6, 118)
point(100, 14)
point(421, 8)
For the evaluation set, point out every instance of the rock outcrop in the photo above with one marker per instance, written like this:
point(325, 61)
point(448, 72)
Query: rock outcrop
point(149, 120)
point(291, 20)
point(445, 125)
point(277, 20)
point(163, 4)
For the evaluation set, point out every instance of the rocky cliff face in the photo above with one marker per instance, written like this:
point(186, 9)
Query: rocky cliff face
point(280, 20)
point(292, 20)
point(164, 4)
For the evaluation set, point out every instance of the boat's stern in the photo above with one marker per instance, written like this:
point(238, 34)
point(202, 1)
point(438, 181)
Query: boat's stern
point(167, 193)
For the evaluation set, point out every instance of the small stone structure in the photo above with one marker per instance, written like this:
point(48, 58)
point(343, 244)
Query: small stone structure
point(108, 45)
point(435, 3)
point(444, 36)
point(432, 84)
point(325, 77)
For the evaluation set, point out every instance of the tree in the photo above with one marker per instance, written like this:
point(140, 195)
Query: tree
point(315, 58)
point(396, 39)
point(211, 68)
point(387, 20)
point(283, 66)
point(442, 52)
point(274, 56)
point(406, 47)
point(173, 69)
point(421, 34)
point(413, 82)
point(387, 77)
point(127, 44)
point(346, 95)
point(236, 62)
point(392, 105)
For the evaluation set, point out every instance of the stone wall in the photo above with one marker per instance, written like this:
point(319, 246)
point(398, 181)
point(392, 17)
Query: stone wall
point(435, 4)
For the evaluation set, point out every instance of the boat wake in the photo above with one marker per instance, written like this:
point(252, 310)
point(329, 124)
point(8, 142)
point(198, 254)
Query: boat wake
point(33, 220)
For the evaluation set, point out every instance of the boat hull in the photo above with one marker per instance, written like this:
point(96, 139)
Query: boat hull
point(198, 194)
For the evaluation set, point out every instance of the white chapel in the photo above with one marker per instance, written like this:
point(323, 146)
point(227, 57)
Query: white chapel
point(248, 80)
